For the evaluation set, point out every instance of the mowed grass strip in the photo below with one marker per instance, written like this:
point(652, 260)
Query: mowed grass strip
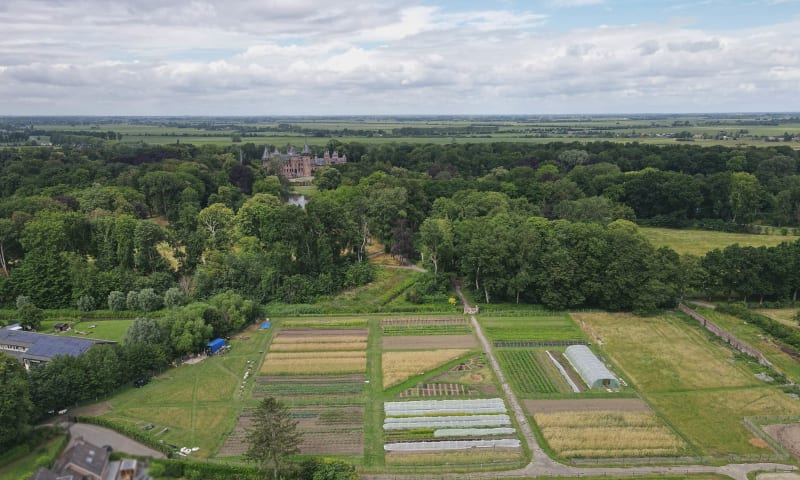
point(608, 434)
point(400, 366)
point(531, 328)
point(700, 242)
point(783, 315)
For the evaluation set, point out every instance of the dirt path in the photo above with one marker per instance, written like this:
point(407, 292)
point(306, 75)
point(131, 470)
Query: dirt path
point(543, 465)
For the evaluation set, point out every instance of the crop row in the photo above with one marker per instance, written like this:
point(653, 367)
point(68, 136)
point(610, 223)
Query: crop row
point(525, 371)
point(453, 329)
point(439, 407)
point(297, 389)
point(463, 421)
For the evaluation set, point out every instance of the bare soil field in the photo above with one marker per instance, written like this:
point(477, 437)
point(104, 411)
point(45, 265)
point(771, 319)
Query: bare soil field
point(429, 342)
point(788, 434)
point(586, 405)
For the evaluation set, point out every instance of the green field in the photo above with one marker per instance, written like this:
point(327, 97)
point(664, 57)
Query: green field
point(376, 130)
point(113, 330)
point(700, 242)
point(546, 327)
point(756, 338)
point(528, 372)
point(198, 403)
point(698, 386)
point(783, 315)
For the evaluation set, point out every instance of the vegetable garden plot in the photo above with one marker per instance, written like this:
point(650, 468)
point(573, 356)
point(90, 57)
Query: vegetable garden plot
point(423, 424)
point(400, 366)
point(423, 321)
point(587, 434)
point(309, 385)
point(330, 430)
point(438, 390)
point(425, 326)
point(429, 342)
point(433, 407)
point(531, 328)
point(525, 371)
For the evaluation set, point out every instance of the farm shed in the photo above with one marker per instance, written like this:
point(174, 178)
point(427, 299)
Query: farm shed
point(590, 368)
point(214, 346)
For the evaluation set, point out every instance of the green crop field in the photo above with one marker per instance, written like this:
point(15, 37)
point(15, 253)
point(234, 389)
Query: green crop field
point(552, 327)
point(525, 371)
point(700, 242)
point(696, 384)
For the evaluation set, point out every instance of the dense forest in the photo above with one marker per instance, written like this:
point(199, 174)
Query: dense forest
point(549, 224)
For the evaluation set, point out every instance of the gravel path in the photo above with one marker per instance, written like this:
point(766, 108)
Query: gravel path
point(102, 436)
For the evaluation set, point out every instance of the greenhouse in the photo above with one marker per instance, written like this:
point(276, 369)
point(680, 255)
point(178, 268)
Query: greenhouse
point(590, 368)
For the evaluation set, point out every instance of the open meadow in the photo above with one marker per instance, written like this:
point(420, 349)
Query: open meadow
point(756, 338)
point(194, 405)
point(696, 384)
point(700, 242)
point(113, 330)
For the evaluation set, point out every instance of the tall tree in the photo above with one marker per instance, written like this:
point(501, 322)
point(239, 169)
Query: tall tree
point(15, 401)
point(273, 436)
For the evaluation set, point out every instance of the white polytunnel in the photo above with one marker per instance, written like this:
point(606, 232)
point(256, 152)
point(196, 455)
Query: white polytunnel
point(590, 368)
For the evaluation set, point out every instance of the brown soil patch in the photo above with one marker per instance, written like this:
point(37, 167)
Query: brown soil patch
point(758, 442)
point(429, 342)
point(787, 434)
point(93, 410)
point(586, 405)
point(323, 332)
point(571, 373)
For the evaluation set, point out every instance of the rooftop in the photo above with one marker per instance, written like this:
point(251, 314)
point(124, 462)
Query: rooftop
point(47, 345)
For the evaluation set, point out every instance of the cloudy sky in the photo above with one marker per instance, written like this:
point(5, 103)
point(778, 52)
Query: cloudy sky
point(305, 57)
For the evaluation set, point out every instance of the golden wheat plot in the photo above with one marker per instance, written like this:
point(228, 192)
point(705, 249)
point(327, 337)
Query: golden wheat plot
point(317, 363)
point(608, 434)
point(400, 366)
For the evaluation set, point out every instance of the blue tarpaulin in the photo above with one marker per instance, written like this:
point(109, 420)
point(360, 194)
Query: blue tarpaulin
point(266, 325)
point(214, 345)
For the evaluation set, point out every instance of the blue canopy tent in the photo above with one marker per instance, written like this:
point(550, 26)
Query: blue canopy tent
point(214, 346)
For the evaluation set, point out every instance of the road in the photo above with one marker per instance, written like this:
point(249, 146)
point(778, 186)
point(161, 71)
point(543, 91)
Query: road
point(102, 436)
point(543, 465)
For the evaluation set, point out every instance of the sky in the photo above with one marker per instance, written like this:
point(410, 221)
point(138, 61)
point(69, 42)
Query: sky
point(397, 57)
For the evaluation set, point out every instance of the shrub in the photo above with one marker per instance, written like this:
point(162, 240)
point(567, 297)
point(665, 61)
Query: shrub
point(23, 300)
point(85, 303)
point(132, 300)
point(149, 300)
point(116, 301)
point(173, 297)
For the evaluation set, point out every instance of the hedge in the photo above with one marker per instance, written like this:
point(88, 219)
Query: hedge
point(786, 334)
point(201, 471)
point(128, 431)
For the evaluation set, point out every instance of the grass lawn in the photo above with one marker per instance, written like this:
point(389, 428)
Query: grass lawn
point(200, 403)
point(103, 329)
point(696, 384)
point(26, 466)
point(756, 338)
point(783, 315)
point(699, 242)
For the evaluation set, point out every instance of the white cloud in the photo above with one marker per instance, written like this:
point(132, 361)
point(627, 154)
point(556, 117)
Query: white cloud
point(308, 57)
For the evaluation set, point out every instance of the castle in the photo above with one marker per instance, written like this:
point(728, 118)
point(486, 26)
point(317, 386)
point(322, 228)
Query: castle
point(303, 164)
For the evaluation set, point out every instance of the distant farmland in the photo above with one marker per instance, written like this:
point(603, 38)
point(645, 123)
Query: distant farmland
point(700, 242)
